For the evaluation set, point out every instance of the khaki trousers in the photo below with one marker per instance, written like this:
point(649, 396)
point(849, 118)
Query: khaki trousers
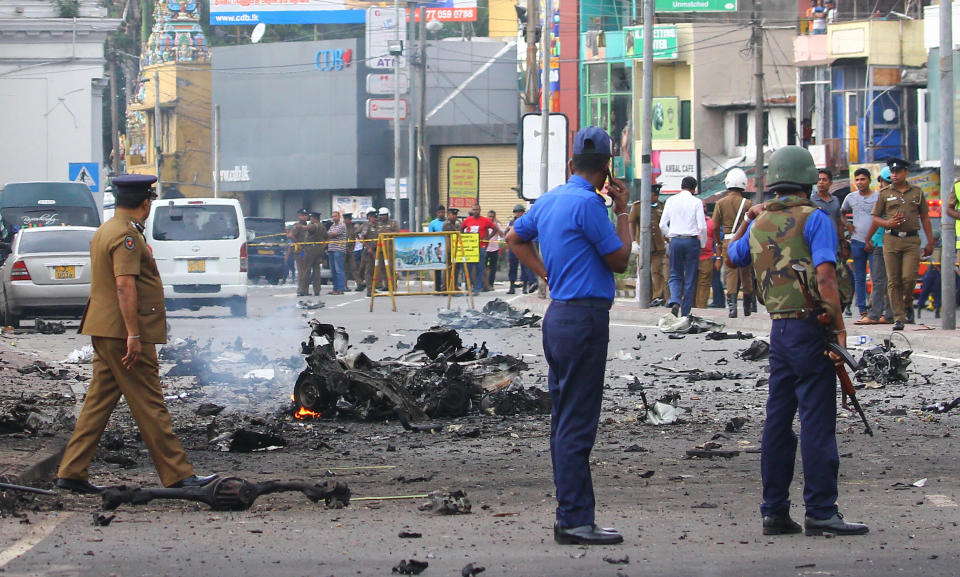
point(902, 257)
point(658, 280)
point(141, 388)
point(704, 283)
point(308, 269)
point(734, 274)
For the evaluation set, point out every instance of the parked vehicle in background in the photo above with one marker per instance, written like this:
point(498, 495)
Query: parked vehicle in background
point(200, 245)
point(266, 247)
point(38, 204)
point(47, 274)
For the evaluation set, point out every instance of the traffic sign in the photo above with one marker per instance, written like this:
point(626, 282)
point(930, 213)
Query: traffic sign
point(86, 172)
point(530, 153)
point(384, 83)
point(382, 108)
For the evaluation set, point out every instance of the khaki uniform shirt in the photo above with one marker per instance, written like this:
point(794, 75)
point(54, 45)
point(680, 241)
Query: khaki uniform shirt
point(725, 212)
point(369, 232)
point(389, 226)
point(118, 248)
point(911, 202)
point(657, 244)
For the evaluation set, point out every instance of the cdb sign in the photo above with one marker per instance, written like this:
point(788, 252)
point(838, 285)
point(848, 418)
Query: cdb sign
point(330, 60)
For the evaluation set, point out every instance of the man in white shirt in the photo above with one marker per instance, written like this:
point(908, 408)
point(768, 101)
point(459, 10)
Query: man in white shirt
point(684, 226)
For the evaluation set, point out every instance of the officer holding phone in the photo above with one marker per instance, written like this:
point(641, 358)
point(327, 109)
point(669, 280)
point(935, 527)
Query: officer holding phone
point(581, 252)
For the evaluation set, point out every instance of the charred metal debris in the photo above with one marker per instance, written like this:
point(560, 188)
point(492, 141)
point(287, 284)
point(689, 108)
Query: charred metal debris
point(884, 364)
point(496, 314)
point(439, 377)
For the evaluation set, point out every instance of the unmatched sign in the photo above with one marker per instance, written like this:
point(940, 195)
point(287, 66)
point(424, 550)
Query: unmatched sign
point(390, 189)
point(382, 109)
point(253, 12)
point(385, 84)
point(664, 42)
point(469, 249)
point(328, 60)
point(381, 29)
point(355, 205)
point(695, 5)
point(463, 181)
point(674, 165)
point(530, 154)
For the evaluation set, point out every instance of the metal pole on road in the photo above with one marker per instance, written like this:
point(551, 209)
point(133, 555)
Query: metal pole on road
point(759, 127)
point(646, 170)
point(545, 91)
point(157, 127)
point(396, 115)
point(948, 251)
point(411, 156)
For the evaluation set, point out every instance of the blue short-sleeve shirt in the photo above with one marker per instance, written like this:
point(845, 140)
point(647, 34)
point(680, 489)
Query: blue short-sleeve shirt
point(819, 232)
point(575, 233)
point(436, 225)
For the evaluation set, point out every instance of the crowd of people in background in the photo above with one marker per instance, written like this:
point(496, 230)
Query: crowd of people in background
point(348, 250)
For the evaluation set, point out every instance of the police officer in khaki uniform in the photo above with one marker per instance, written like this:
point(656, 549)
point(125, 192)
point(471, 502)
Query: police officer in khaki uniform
point(658, 246)
point(727, 216)
point(387, 225)
point(310, 256)
point(350, 264)
point(125, 318)
point(900, 209)
point(370, 233)
point(298, 234)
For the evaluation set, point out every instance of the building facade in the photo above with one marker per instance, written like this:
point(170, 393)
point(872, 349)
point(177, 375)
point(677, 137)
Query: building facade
point(52, 82)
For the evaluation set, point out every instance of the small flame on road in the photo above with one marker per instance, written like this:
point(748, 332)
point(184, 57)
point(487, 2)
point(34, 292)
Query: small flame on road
point(304, 413)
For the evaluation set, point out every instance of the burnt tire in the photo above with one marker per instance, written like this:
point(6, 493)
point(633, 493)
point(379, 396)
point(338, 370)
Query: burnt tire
point(311, 393)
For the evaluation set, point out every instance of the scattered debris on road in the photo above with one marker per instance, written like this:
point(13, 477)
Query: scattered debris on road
point(496, 314)
point(448, 503)
point(884, 364)
point(410, 567)
point(758, 350)
point(81, 356)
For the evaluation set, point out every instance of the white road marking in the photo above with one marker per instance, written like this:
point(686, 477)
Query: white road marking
point(354, 301)
point(937, 358)
point(34, 537)
point(634, 325)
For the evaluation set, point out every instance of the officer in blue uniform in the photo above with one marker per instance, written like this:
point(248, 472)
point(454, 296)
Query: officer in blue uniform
point(581, 251)
point(801, 375)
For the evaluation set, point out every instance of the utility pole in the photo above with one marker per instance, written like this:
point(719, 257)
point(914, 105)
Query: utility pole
point(411, 153)
point(530, 98)
point(216, 151)
point(759, 127)
point(646, 170)
point(948, 251)
point(157, 128)
point(545, 90)
point(114, 113)
point(422, 166)
point(396, 112)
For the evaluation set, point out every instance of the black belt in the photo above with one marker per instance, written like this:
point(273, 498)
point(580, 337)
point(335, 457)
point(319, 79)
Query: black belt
point(902, 234)
point(602, 304)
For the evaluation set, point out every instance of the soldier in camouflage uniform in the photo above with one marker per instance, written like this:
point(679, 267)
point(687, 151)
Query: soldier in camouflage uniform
point(790, 230)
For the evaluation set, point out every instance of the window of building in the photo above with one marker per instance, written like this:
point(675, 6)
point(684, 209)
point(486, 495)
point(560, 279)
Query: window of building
point(597, 79)
point(743, 125)
point(686, 124)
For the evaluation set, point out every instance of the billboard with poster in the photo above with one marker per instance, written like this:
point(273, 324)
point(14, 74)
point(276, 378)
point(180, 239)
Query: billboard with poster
point(463, 181)
point(356, 205)
point(420, 252)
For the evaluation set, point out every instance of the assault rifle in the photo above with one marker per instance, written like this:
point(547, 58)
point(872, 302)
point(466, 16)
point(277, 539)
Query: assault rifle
point(826, 321)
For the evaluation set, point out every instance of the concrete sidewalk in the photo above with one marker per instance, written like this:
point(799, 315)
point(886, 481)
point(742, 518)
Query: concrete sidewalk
point(927, 339)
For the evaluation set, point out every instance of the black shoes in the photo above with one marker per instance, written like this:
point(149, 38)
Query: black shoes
point(586, 535)
point(512, 290)
point(748, 304)
point(79, 486)
point(675, 310)
point(732, 306)
point(834, 525)
point(897, 326)
point(194, 481)
point(780, 525)
point(909, 315)
point(657, 302)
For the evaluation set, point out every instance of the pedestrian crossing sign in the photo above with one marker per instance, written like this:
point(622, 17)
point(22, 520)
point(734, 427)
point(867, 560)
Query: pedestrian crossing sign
point(86, 172)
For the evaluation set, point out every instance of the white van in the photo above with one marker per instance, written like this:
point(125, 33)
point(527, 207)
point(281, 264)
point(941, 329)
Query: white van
point(201, 251)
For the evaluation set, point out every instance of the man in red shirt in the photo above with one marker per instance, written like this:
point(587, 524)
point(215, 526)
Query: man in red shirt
point(477, 224)
point(708, 260)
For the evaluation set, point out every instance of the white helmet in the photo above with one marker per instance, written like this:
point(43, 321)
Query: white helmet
point(736, 178)
point(384, 210)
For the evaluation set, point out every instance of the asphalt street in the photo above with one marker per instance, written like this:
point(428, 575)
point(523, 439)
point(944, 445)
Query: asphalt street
point(679, 516)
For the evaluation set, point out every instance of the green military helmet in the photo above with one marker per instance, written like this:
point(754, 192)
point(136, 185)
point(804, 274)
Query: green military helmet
point(791, 165)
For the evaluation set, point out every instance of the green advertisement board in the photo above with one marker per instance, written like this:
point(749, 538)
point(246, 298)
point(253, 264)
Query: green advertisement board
point(695, 5)
point(664, 42)
point(666, 118)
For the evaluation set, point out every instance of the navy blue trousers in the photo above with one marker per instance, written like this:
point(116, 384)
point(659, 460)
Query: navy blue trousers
point(801, 378)
point(575, 343)
point(684, 263)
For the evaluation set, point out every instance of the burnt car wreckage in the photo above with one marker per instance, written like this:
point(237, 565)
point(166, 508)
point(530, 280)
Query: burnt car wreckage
point(439, 378)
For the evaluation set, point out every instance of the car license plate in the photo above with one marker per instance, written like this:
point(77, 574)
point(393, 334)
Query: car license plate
point(197, 265)
point(264, 251)
point(64, 272)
